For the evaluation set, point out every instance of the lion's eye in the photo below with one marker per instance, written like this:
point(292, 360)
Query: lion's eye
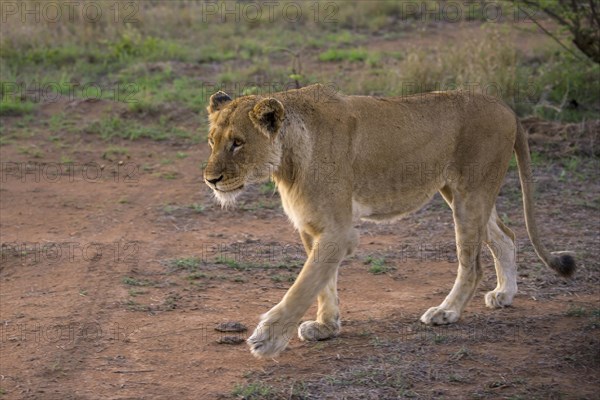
point(236, 143)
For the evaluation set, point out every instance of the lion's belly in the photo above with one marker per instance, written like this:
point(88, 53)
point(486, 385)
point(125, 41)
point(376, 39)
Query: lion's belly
point(389, 207)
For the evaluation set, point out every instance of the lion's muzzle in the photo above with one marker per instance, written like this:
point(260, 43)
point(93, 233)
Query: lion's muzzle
point(213, 182)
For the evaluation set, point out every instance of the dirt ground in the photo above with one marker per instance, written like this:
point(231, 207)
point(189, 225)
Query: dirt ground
point(116, 268)
point(117, 265)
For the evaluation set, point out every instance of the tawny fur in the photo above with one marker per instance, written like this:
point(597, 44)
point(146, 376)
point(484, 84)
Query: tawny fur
point(335, 157)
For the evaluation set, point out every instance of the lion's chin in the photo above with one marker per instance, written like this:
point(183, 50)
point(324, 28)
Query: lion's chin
point(228, 198)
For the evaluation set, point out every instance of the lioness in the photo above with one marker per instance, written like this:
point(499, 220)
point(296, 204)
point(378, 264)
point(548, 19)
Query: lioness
point(335, 157)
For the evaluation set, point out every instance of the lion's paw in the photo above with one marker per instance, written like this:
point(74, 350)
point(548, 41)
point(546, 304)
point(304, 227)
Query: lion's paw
point(496, 299)
point(439, 316)
point(270, 339)
point(313, 331)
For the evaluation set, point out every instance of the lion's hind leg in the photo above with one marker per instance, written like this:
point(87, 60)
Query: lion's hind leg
point(471, 213)
point(501, 241)
point(328, 323)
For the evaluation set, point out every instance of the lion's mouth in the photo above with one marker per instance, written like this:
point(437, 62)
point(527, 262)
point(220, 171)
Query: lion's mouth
point(224, 187)
point(227, 197)
point(229, 190)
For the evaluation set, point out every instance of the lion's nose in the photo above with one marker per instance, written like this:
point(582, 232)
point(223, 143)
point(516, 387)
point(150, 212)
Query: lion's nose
point(214, 181)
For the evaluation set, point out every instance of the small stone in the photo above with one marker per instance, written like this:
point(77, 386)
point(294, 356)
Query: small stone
point(231, 326)
point(231, 340)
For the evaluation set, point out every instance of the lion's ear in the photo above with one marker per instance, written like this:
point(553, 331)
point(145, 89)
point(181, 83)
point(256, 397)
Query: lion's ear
point(267, 116)
point(218, 101)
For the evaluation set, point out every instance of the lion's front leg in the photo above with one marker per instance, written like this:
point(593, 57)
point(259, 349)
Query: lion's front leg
point(273, 332)
point(279, 324)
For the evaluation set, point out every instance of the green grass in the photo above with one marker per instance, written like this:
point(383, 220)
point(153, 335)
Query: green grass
point(169, 175)
point(133, 45)
point(196, 276)
point(113, 127)
point(151, 89)
point(571, 168)
point(12, 107)
point(170, 208)
point(460, 354)
point(197, 208)
point(136, 282)
point(268, 187)
point(60, 123)
point(291, 278)
point(581, 312)
point(576, 312)
point(5, 140)
point(339, 38)
point(127, 47)
point(186, 264)
point(135, 306)
point(253, 391)
point(114, 151)
point(562, 79)
point(116, 127)
point(439, 339)
point(64, 159)
point(240, 266)
point(171, 59)
point(336, 55)
point(136, 292)
point(571, 164)
point(170, 302)
point(377, 265)
point(32, 151)
point(230, 262)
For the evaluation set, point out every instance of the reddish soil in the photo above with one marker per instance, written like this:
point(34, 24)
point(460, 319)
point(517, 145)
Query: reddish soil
point(93, 305)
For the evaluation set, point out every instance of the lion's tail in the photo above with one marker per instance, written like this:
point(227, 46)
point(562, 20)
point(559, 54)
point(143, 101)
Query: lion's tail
point(562, 262)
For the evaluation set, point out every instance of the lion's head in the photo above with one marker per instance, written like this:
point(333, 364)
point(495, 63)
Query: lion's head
point(242, 136)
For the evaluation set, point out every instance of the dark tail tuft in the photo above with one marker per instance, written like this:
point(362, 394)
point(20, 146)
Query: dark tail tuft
point(563, 263)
